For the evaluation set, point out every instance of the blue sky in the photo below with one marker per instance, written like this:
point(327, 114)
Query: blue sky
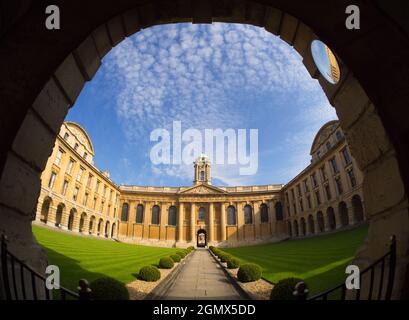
point(208, 77)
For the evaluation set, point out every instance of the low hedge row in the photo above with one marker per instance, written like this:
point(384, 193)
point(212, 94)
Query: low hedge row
point(152, 273)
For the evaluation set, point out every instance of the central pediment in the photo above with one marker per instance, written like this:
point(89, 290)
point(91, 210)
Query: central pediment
point(203, 189)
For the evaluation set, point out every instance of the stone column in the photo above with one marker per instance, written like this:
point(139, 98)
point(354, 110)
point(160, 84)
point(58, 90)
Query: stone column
point(223, 221)
point(193, 222)
point(257, 219)
point(163, 221)
point(211, 222)
point(64, 218)
point(146, 219)
point(180, 222)
point(240, 220)
point(52, 212)
point(85, 226)
point(76, 222)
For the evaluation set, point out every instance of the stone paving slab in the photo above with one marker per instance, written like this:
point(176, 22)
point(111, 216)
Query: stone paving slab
point(202, 279)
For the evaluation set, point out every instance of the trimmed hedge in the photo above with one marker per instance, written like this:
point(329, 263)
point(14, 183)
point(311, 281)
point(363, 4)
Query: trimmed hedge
point(224, 257)
point(149, 273)
point(108, 289)
point(233, 263)
point(181, 253)
point(176, 257)
point(284, 289)
point(166, 263)
point(191, 248)
point(249, 272)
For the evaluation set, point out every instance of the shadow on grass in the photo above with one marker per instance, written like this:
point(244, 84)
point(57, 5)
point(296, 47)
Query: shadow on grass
point(70, 270)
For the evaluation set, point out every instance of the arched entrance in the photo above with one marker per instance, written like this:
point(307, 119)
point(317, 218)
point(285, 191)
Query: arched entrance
point(201, 238)
point(343, 214)
point(368, 100)
point(358, 209)
point(45, 209)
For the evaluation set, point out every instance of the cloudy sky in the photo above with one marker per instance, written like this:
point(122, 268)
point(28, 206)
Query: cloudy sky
point(219, 76)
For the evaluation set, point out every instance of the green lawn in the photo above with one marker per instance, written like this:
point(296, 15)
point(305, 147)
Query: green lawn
point(320, 261)
point(82, 257)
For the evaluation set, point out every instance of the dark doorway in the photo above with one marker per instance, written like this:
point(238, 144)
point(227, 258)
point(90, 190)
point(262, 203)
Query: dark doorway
point(201, 238)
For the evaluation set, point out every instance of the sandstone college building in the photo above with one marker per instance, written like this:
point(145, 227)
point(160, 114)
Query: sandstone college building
point(76, 196)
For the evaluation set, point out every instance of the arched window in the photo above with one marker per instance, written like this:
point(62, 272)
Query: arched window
point(279, 211)
point(264, 213)
point(172, 216)
point(155, 215)
point(248, 215)
point(139, 214)
point(231, 216)
point(125, 209)
point(202, 175)
point(202, 213)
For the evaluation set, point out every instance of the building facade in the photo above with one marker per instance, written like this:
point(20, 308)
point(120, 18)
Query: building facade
point(327, 195)
point(76, 196)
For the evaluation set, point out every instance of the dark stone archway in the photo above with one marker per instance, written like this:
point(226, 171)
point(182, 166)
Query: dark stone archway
point(201, 238)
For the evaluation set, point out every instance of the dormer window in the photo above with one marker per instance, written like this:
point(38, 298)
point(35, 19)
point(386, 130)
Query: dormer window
point(66, 136)
point(85, 155)
point(76, 146)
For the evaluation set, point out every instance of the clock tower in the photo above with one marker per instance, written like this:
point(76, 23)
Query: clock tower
point(202, 170)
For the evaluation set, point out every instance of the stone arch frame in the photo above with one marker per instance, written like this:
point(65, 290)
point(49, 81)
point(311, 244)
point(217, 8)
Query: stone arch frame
point(59, 214)
point(279, 211)
point(358, 209)
point(107, 229)
point(155, 217)
point(331, 220)
point(303, 226)
point(264, 216)
point(172, 216)
point(71, 219)
point(231, 215)
point(248, 214)
point(343, 214)
point(91, 225)
point(379, 160)
point(311, 224)
point(100, 227)
point(45, 209)
point(320, 222)
point(140, 211)
point(296, 229)
point(125, 212)
point(202, 213)
point(82, 222)
point(113, 230)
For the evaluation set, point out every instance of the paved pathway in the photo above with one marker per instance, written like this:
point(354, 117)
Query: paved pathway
point(202, 278)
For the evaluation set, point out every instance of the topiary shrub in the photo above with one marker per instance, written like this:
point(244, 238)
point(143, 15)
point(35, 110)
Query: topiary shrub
point(149, 273)
point(233, 263)
point(176, 257)
point(224, 257)
point(166, 263)
point(181, 253)
point(249, 272)
point(284, 289)
point(108, 289)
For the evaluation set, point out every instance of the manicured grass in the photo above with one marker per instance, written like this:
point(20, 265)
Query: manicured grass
point(320, 261)
point(82, 257)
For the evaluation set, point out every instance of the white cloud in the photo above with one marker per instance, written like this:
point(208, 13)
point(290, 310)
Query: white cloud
point(192, 73)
